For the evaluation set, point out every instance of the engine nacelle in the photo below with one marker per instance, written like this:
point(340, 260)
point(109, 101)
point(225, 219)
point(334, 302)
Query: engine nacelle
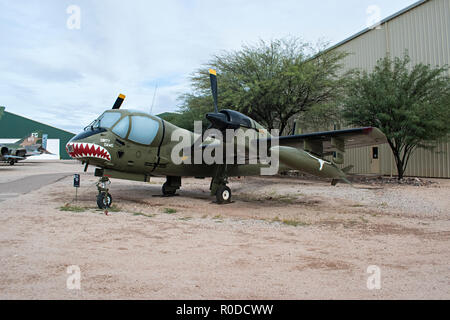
point(236, 118)
point(231, 119)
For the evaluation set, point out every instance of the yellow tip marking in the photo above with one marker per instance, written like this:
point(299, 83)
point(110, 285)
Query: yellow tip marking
point(184, 158)
point(212, 71)
point(121, 96)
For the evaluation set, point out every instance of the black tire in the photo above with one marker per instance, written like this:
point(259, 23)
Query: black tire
point(223, 195)
point(167, 190)
point(11, 163)
point(104, 200)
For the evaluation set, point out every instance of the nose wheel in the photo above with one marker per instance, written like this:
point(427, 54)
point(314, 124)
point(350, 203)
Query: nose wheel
point(223, 194)
point(104, 199)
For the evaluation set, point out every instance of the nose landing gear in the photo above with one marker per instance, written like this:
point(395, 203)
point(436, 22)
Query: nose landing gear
point(104, 199)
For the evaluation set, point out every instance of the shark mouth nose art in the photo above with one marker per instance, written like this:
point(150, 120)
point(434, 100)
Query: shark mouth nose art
point(87, 150)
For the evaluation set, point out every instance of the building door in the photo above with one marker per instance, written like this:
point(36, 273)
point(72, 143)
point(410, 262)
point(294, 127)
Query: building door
point(375, 161)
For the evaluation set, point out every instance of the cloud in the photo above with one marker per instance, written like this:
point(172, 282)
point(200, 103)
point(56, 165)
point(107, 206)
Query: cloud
point(68, 77)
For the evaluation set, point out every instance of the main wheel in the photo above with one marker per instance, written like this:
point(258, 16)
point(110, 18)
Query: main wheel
point(223, 194)
point(12, 162)
point(167, 190)
point(104, 200)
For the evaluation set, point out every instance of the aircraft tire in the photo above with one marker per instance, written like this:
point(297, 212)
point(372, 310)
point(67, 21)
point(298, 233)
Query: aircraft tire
point(11, 163)
point(167, 191)
point(223, 195)
point(104, 200)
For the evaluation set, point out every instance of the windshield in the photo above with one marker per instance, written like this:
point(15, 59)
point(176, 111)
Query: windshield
point(143, 129)
point(106, 120)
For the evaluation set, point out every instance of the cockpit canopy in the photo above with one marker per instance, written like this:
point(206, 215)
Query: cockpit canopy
point(106, 121)
point(138, 128)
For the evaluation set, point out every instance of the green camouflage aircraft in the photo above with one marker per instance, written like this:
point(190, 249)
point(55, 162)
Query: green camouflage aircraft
point(134, 145)
point(33, 145)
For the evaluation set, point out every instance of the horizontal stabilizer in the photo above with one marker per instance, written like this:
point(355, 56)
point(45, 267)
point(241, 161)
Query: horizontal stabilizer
point(348, 169)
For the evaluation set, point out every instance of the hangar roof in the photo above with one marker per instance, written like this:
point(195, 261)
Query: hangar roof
point(391, 17)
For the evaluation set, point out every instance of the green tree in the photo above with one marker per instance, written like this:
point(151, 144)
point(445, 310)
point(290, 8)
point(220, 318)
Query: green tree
point(410, 104)
point(271, 82)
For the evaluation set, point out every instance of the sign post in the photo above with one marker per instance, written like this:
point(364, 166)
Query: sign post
point(76, 184)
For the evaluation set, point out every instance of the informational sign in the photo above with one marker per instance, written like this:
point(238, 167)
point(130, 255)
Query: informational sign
point(76, 180)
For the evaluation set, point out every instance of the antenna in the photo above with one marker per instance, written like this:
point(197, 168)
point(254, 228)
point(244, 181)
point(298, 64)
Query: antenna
point(153, 101)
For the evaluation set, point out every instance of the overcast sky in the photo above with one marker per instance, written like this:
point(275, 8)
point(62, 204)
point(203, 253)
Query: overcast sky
point(66, 77)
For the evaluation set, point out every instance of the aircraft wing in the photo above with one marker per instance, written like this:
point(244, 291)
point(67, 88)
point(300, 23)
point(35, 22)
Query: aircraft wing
point(325, 143)
point(7, 156)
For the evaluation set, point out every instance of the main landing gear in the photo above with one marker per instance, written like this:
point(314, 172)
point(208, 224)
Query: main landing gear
point(171, 186)
point(219, 186)
point(104, 199)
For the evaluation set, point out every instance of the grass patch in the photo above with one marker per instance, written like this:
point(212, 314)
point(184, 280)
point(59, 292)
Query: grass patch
point(185, 218)
point(143, 214)
point(113, 208)
point(272, 196)
point(285, 198)
point(350, 223)
point(383, 204)
point(295, 223)
point(364, 219)
point(169, 210)
point(68, 207)
point(217, 217)
point(357, 206)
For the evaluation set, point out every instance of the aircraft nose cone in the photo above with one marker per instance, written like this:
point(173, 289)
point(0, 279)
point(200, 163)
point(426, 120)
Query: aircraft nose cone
point(81, 150)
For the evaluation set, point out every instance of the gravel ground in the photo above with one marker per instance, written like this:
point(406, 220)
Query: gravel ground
point(281, 238)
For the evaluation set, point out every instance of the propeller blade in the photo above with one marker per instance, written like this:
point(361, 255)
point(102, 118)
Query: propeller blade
point(213, 78)
point(119, 101)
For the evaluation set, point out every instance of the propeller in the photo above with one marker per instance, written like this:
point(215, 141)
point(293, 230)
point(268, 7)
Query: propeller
point(119, 101)
point(218, 120)
point(213, 78)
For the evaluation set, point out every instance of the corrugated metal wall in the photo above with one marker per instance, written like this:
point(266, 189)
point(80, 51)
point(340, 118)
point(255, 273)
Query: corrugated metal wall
point(425, 32)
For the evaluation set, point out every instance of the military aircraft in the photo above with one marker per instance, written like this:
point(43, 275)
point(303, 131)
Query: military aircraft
point(134, 145)
point(33, 145)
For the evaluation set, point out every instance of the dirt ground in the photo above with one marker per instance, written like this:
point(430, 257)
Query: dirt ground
point(281, 238)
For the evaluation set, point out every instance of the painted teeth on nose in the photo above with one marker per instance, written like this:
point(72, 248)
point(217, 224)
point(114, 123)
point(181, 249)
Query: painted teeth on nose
point(91, 150)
